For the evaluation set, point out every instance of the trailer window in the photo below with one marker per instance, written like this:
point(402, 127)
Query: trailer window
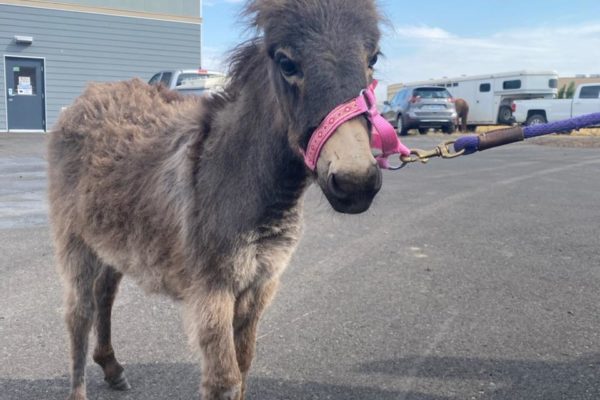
point(590, 92)
point(553, 83)
point(516, 84)
point(485, 87)
point(455, 84)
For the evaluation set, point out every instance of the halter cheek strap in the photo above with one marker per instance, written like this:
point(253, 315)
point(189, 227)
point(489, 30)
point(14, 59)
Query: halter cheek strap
point(383, 135)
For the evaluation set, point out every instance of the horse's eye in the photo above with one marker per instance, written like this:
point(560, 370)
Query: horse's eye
point(288, 67)
point(373, 60)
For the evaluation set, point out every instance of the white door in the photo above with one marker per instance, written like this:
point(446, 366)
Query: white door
point(481, 111)
point(588, 101)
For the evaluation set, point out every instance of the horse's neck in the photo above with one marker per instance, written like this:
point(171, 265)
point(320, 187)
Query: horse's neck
point(258, 176)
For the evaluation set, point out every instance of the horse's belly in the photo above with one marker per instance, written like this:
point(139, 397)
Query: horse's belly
point(154, 273)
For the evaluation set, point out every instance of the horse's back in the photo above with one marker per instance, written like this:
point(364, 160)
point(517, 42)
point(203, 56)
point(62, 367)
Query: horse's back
point(118, 113)
point(103, 155)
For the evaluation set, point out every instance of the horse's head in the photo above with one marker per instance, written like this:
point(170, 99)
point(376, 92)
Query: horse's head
point(322, 55)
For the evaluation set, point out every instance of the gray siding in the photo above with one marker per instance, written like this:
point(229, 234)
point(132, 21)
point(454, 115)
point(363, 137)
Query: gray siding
point(185, 8)
point(81, 47)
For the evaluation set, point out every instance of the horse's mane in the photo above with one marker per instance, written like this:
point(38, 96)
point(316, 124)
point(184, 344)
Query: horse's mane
point(258, 13)
point(244, 62)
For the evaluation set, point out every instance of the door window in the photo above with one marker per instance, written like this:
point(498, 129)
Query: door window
point(155, 79)
point(398, 98)
point(166, 78)
point(24, 81)
point(590, 92)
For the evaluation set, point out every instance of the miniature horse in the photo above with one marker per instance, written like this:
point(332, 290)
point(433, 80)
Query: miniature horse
point(201, 198)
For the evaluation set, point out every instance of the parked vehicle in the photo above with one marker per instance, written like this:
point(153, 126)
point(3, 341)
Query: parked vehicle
point(202, 86)
point(421, 107)
point(585, 101)
point(197, 90)
point(490, 96)
point(192, 81)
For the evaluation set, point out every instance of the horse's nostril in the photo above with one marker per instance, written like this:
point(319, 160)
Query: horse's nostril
point(334, 188)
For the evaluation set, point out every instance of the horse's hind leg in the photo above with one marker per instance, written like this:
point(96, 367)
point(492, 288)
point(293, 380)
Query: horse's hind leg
point(105, 290)
point(79, 267)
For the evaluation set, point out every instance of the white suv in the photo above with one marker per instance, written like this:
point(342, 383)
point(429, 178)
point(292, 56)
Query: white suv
point(421, 108)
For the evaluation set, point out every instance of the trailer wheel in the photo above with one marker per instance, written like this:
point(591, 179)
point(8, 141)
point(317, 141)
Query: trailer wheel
point(535, 119)
point(423, 131)
point(505, 115)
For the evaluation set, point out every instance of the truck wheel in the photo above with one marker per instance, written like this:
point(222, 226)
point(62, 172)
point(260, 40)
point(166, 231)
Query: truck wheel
point(535, 119)
point(449, 128)
point(505, 116)
point(471, 128)
point(400, 128)
point(423, 131)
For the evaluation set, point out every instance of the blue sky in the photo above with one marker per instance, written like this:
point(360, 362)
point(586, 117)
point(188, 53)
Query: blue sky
point(432, 39)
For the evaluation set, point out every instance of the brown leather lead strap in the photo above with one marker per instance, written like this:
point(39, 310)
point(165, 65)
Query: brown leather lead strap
point(500, 137)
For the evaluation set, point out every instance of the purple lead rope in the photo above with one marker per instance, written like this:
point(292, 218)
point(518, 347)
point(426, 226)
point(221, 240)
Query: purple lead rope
point(474, 143)
point(566, 125)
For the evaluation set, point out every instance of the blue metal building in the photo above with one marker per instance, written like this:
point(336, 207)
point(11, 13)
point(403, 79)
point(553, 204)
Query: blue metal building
point(50, 50)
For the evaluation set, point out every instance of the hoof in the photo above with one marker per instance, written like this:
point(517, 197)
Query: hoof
point(119, 382)
point(232, 393)
point(77, 396)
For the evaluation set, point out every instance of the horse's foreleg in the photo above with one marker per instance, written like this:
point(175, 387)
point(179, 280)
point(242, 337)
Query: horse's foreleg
point(105, 291)
point(248, 310)
point(209, 321)
point(79, 269)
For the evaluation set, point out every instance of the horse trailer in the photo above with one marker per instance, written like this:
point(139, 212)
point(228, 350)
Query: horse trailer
point(490, 96)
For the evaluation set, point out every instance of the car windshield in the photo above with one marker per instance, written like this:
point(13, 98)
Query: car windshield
point(432, 93)
point(188, 78)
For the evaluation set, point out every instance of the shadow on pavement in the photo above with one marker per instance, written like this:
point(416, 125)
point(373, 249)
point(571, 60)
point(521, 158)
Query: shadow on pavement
point(180, 382)
point(512, 379)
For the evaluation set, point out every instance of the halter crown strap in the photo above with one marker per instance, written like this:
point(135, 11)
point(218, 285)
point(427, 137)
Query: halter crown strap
point(383, 135)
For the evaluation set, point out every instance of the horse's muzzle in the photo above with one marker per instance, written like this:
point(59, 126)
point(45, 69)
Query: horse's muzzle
point(351, 194)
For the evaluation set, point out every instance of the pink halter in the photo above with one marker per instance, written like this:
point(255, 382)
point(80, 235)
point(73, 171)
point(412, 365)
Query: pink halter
point(383, 135)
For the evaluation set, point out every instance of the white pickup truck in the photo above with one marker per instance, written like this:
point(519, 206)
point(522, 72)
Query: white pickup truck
point(540, 111)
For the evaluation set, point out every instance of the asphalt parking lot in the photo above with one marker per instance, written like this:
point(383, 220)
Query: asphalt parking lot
point(474, 278)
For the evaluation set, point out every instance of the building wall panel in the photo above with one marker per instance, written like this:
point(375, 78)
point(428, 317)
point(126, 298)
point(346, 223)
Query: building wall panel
point(79, 48)
point(176, 7)
point(174, 10)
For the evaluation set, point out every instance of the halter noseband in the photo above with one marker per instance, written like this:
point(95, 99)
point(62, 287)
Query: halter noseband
point(383, 135)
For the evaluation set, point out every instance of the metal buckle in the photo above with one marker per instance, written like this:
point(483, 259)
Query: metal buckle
point(442, 150)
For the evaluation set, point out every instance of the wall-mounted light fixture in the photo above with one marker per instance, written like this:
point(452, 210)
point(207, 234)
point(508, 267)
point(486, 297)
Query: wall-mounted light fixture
point(25, 40)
